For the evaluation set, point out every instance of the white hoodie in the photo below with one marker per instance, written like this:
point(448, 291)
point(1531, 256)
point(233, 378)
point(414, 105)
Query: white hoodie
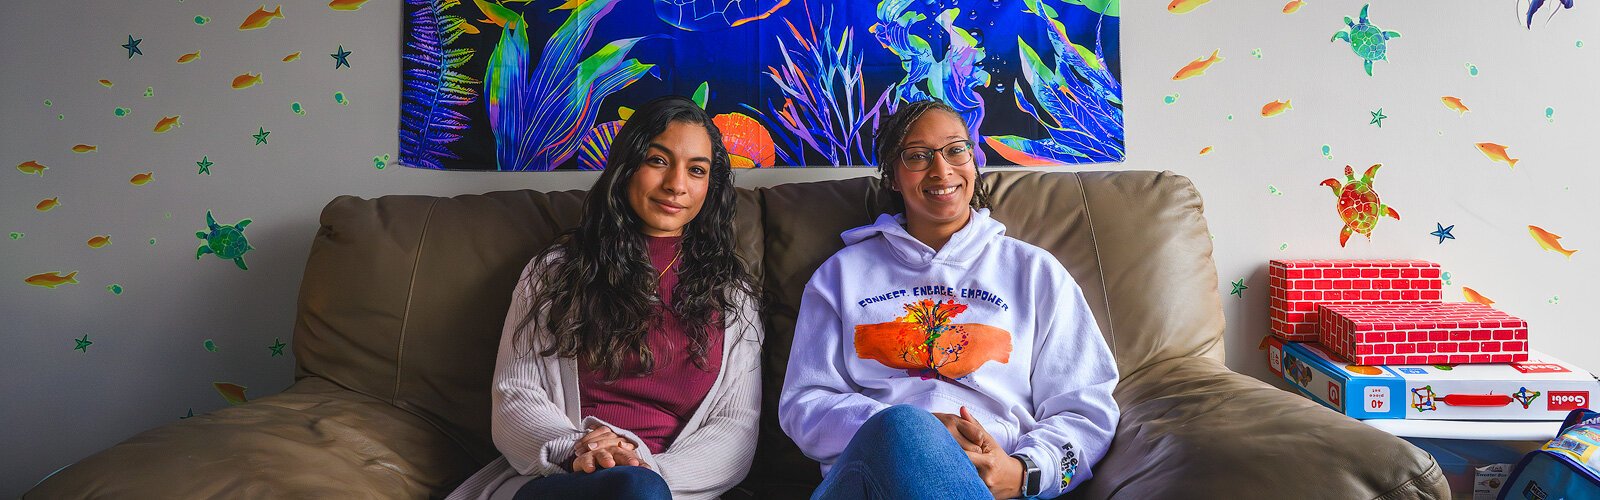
point(1009, 334)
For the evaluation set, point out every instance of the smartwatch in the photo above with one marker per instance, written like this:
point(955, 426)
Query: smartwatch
point(1032, 477)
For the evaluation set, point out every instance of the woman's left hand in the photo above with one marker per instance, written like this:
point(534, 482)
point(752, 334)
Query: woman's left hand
point(606, 458)
point(1001, 473)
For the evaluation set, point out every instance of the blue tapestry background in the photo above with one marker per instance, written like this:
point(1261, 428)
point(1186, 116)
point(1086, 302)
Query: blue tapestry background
point(543, 85)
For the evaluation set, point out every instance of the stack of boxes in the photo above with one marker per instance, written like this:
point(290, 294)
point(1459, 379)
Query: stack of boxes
point(1372, 339)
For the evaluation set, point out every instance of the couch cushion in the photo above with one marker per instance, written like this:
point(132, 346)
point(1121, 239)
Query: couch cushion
point(314, 440)
point(404, 297)
point(1135, 241)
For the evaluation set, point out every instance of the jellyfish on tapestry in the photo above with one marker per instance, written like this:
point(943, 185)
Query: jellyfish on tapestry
point(538, 85)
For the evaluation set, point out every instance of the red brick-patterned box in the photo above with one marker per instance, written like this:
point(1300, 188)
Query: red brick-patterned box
point(1298, 286)
point(1422, 333)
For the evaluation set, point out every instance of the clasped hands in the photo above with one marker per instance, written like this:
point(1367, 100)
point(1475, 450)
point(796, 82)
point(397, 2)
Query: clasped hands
point(601, 448)
point(999, 471)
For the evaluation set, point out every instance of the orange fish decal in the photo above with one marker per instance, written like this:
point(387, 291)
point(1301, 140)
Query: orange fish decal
point(346, 4)
point(186, 58)
point(1205, 150)
point(1549, 241)
point(1497, 153)
point(748, 143)
point(83, 148)
point(1455, 104)
point(1184, 6)
point(99, 241)
point(1197, 67)
point(141, 179)
point(1291, 7)
point(246, 80)
point(52, 280)
point(167, 123)
point(291, 57)
point(47, 204)
point(106, 83)
point(1275, 108)
point(260, 18)
point(1474, 296)
point(31, 167)
point(233, 393)
point(925, 343)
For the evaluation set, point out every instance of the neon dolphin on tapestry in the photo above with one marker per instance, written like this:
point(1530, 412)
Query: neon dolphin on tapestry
point(1081, 99)
point(539, 118)
point(925, 343)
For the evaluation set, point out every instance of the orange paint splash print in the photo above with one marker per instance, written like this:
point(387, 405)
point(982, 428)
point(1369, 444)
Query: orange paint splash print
point(926, 343)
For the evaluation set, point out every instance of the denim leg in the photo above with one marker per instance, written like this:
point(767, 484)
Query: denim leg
point(621, 482)
point(902, 452)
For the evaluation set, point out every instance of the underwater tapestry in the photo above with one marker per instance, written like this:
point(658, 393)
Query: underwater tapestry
point(545, 84)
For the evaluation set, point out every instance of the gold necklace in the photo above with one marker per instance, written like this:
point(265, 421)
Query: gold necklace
point(669, 266)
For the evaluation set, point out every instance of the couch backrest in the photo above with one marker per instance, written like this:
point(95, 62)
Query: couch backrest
point(404, 297)
point(1135, 241)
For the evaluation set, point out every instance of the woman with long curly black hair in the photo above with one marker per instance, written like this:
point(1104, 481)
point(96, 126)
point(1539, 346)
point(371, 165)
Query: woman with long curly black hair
point(629, 366)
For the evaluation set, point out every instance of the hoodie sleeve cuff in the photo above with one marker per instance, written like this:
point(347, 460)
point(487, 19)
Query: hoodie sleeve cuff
point(1058, 467)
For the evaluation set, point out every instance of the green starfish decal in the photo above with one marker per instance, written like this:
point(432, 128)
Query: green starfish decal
point(83, 343)
point(261, 135)
point(277, 347)
point(1239, 288)
point(205, 165)
point(1377, 118)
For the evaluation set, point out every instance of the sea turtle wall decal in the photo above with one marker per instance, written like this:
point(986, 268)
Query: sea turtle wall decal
point(228, 242)
point(1358, 206)
point(1366, 40)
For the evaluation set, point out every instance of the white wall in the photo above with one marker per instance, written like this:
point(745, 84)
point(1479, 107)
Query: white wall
point(147, 366)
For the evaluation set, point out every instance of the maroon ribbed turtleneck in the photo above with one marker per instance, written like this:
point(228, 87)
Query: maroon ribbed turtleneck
point(655, 406)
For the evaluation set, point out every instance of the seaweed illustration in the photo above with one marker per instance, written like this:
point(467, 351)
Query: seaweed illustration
point(1081, 101)
point(434, 86)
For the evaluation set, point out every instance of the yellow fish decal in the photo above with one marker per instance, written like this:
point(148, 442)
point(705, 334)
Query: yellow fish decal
point(83, 148)
point(260, 18)
point(31, 167)
point(167, 123)
point(186, 58)
point(1205, 150)
point(48, 203)
point(246, 80)
point(1197, 67)
point(233, 393)
point(141, 179)
point(1549, 241)
point(346, 4)
point(99, 241)
point(1275, 108)
point(1291, 7)
point(1455, 104)
point(52, 279)
point(1474, 296)
point(1497, 153)
point(106, 83)
point(1184, 6)
point(291, 57)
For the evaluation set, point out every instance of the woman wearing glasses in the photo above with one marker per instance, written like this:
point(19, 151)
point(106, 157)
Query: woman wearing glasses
point(935, 357)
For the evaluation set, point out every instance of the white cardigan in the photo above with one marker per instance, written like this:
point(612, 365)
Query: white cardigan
point(536, 419)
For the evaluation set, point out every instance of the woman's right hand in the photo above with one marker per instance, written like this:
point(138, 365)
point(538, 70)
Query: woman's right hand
point(601, 436)
point(606, 458)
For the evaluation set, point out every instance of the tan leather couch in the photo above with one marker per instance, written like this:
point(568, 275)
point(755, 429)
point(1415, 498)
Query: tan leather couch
point(403, 298)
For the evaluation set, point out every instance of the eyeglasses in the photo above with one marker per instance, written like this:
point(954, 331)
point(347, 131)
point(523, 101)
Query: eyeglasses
point(917, 159)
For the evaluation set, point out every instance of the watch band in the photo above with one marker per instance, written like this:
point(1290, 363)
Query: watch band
point(1032, 483)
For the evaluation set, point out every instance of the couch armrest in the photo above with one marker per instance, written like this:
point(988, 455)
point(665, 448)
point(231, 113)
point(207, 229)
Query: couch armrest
point(314, 440)
point(1191, 428)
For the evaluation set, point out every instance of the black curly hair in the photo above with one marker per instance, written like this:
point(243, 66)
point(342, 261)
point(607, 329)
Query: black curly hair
point(892, 133)
point(597, 287)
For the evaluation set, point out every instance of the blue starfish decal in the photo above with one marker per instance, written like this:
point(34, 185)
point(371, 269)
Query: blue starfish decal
point(1239, 288)
point(1443, 232)
point(133, 46)
point(339, 58)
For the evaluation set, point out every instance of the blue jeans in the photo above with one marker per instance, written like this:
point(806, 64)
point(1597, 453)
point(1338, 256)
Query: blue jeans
point(621, 482)
point(902, 452)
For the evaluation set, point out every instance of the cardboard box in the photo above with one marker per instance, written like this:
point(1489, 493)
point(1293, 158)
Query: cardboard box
point(1422, 333)
point(1298, 286)
point(1543, 388)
